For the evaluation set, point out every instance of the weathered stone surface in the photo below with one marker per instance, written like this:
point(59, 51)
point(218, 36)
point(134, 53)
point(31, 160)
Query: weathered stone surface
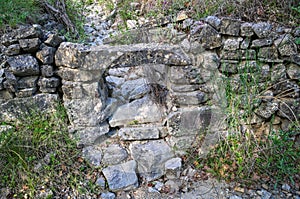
point(114, 82)
point(141, 111)
point(293, 71)
point(111, 105)
point(230, 27)
point(210, 38)
point(246, 29)
point(190, 98)
point(151, 157)
point(286, 45)
point(134, 89)
point(52, 82)
point(54, 40)
point(189, 121)
point(173, 168)
point(269, 53)
point(27, 92)
point(238, 55)
point(287, 88)
point(83, 112)
point(78, 90)
point(10, 82)
point(76, 75)
point(278, 72)
point(46, 55)
point(213, 21)
point(47, 70)
point(139, 133)
point(122, 176)
point(16, 109)
point(261, 42)
point(92, 154)
point(262, 30)
point(295, 59)
point(184, 88)
point(185, 75)
point(30, 45)
point(245, 43)
point(108, 195)
point(114, 154)
point(13, 49)
point(23, 65)
point(229, 66)
point(182, 143)
point(231, 44)
point(28, 82)
point(6, 95)
point(89, 135)
point(266, 110)
point(248, 67)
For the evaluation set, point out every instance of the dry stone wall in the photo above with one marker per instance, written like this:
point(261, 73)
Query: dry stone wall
point(134, 108)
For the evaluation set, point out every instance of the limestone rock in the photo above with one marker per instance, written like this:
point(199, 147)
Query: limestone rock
point(121, 176)
point(186, 75)
point(140, 111)
point(210, 38)
point(114, 154)
point(229, 66)
point(151, 157)
point(231, 44)
point(48, 85)
point(269, 53)
point(230, 26)
point(213, 21)
point(286, 45)
point(76, 75)
point(261, 42)
point(23, 65)
point(27, 82)
point(278, 72)
point(190, 98)
point(245, 43)
point(173, 168)
point(30, 45)
point(238, 54)
point(10, 82)
point(290, 108)
point(262, 29)
point(293, 71)
point(54, 40)
point(266, 110)
point(6, 95)
point(139, 133)
point(27, 92)
point(13, 49)
point(246, 29)
point(114, 82)
point(134, 89)
point(46, 55)
point(108, 195)
point(47, 70)
point(92, 154)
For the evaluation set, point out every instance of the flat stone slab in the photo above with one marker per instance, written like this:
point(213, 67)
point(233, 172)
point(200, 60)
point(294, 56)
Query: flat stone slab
point(121, 176)
point(151, 157)
point(114, 154)
point(138, 133)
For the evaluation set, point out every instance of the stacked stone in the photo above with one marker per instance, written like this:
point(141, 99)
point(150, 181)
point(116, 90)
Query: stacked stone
point(28, 67)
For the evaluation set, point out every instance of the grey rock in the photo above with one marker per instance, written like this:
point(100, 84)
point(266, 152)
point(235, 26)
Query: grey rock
point(54, 40)
point(229, 66)
point(27, 82)
point(46, 55)
point(184, 88)
point(23, 65)
point(266, 110)
point(295, 59)
point(30, 45)
point(286, 45)
point(27, 92)
point(248, 67)
point(151, 157)
point(278, 72)
point(213, 21)
point(89, 135)
point(231, 44)
point(133, 89)
point(265, 194)
point(189, 121)
point(209, 38)
point(29, 32)
point(190, 98)
point(230, 26)
point(10, 82)
point(238, 55)
point(114, 154)
point(246, 29)
point(122, 176)
point(6, 95)
point(138, 133)
point(262, 29)
point(76, 75)
point(13, 49)
point(290, 109)
point(92, 154)
point(108, 195)
point(173, 168)
point(140, 111)
point(114, 82)
point(269, 53)
point(101, 182)
point(286, 187)
point(16, 109)
point(47, 70)
point(118, 72)
point(293, 71)
point(245, 43)
point(83, 112)
point(235, 197)
point(261, 42)
point(52, 82)
point(185, 75)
